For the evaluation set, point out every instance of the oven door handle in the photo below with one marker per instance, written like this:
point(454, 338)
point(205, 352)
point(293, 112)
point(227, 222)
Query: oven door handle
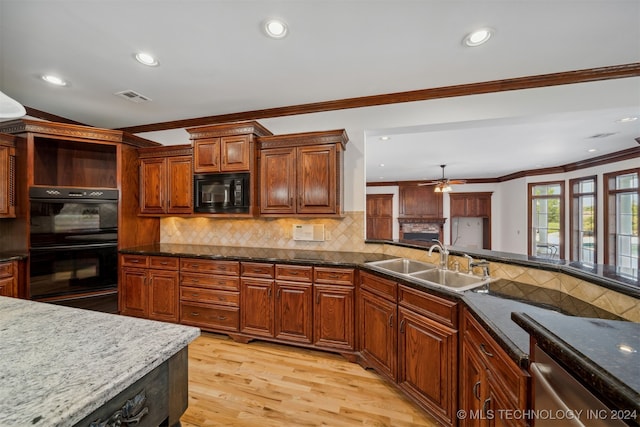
point(71, 247)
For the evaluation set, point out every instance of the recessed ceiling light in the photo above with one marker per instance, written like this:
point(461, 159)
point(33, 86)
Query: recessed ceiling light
point(626, 348)
point(54, 80)
point(381, 165)
point(592, 150)
point(146, 59)
point(626, 120)
point(478, 37)
point(385, 138)
point(275, 28)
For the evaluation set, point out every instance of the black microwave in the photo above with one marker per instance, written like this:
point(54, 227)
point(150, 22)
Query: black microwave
point(221, 193)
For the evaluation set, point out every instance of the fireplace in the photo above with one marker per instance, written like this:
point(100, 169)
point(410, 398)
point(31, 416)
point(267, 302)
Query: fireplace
point(420, 229)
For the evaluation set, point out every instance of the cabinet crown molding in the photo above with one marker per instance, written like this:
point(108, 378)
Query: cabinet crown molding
point(337, 136)
point(228, 129)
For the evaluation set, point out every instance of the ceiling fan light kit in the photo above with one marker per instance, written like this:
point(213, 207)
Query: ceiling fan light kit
point(443, 185)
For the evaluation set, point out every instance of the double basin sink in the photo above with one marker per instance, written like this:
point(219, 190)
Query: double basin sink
point(430, 274)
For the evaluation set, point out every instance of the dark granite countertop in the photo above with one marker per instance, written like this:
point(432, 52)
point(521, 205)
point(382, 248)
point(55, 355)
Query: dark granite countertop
point(13, 256)
point(492, 309)
point(623, 280)
point(591, 350)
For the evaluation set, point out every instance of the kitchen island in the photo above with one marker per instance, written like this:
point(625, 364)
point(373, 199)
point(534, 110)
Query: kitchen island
point(62, 366)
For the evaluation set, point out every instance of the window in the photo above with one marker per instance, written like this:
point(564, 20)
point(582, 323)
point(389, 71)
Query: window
point(546, 220)
point(621, 225)
point(583, 219)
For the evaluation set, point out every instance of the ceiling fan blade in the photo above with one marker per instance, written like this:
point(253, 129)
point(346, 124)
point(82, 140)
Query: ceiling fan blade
point(457, 181)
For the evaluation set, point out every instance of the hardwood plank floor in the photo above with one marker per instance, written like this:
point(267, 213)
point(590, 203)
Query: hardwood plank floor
point(266, 384)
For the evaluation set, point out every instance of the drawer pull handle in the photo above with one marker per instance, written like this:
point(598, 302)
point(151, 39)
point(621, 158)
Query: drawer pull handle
point(476, 388)
point(402, 326)
point(135, 261)
point(193, 313)
point(485, 405)
point(278, 294)
point(222, 317)
point(164, 263)
point(194, 295)
point(391, 320)
point(484, 350)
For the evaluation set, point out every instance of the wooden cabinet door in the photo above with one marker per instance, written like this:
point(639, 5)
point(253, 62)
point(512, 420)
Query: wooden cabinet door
point(293, 305)
point(153, 177)
point(472, 389)
point(206, 155)
point(333, 317)
point(7, 182)
point(380, 216)
point(378, 333)
point(427, 363)
point(235, 153)
point(163, 295)
point(134, 292)
point(256, 307)
point(484, 206)
point(417, 201)
point(458, 205)
point(317, 187)
point(6, 287)
point(179, 185)
point(277, 181)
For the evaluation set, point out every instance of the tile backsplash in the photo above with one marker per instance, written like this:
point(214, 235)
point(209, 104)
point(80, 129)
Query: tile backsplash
point(347, 235)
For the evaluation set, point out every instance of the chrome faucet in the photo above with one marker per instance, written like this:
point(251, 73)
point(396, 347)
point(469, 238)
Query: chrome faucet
point(444, 253)
point(480, 263)
point(470, 258)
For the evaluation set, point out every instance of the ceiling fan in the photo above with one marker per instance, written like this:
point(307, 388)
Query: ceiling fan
point(443, 185)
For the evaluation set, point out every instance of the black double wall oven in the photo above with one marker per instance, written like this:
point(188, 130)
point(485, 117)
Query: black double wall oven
point(74, 247)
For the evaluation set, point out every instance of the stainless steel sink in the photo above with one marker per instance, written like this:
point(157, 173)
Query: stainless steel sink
point(450, 279)
point(402, 265)
point(430, 274)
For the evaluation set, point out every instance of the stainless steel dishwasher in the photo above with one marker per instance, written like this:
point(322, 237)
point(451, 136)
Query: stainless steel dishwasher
point(560, 400)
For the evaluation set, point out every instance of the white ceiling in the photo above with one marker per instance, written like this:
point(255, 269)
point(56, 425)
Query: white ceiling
point(215, 60)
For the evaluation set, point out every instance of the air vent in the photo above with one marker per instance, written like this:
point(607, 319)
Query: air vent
point(602, 135)
point(133, 96)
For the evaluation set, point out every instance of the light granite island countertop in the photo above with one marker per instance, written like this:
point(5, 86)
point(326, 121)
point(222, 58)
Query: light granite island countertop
point(60, 365)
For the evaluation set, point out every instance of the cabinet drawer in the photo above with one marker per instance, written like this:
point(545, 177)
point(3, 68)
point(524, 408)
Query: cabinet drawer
point(6, 269)
point(439, 309)
point(228, 268)
point(504, 371)
point(257, 269)
point(338, 276)
point(135, 261)
point(164, 263)
point(208, 281)
point(231, 299)
point(379, 286)
point(210, 316)
point(296, 273)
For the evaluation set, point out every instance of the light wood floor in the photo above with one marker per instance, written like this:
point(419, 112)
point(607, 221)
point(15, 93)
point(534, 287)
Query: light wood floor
point(264, 384)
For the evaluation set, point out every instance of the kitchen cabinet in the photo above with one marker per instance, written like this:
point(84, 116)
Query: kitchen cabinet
point(7, 177)
point(210, 294)
point(427, 351)
point(419, 201)
point(226, 147)
point(470, 204)
point(278, 306)
point(8, 279)
point(380, 216)
point(491, 384)
point(334, 308)
point(302, 174)
point(166, 180)
point(378, 332)
point(149, 287)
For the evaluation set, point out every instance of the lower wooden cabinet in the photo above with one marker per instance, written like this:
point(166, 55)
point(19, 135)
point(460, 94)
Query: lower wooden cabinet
point(377, 310)
point(334, 308)
point(491, 384)
point(8, 279)
point(427, 352)
point(210, 294)
point(149, 287)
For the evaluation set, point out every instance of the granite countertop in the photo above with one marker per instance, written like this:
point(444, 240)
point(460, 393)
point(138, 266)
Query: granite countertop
point(590, 349)
point(13, 256)
point(58, 364)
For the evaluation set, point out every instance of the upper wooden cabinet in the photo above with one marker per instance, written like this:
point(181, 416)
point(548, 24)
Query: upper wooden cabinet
point(419, 201)
point(470, 204)
point(302, 174)
point(226, 147)
point(7, 177)
point(166, 180)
